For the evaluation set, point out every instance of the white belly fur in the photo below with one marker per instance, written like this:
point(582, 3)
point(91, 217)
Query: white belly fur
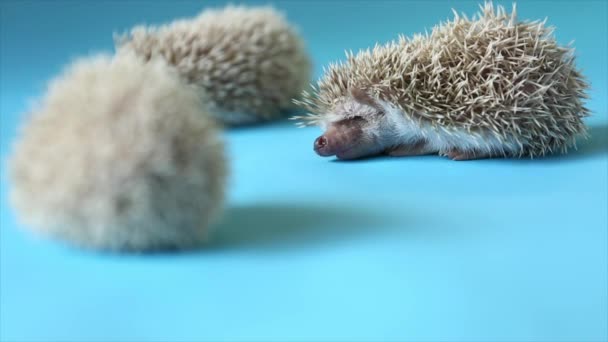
point(440, 139)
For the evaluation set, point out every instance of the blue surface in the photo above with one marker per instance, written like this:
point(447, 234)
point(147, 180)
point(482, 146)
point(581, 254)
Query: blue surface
point(312, 249)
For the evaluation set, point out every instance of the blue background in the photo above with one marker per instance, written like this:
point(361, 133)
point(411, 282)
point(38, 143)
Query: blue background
point(312, 249)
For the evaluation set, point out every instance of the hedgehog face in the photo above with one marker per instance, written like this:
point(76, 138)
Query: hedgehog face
point(353, 129)
point(346, 139)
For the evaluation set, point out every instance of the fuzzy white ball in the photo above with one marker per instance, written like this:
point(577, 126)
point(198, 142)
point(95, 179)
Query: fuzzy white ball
point(119, 155)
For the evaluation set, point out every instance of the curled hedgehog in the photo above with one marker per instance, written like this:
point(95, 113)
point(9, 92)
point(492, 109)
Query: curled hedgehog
point(119, 155)
point(248, 61)
point(489, 86)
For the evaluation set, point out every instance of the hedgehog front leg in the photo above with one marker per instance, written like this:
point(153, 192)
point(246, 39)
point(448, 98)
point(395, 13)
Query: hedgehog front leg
point(418, 148)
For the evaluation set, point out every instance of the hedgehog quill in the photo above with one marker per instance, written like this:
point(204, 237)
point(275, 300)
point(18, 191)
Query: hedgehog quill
point(489, 86)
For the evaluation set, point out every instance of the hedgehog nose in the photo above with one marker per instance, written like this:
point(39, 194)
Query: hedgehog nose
point(320, 144)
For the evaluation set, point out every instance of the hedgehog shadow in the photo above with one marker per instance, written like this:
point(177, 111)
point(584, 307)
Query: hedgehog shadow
point(272, 226)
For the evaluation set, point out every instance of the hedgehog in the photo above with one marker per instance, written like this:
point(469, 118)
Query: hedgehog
point(248, 60)
point(490, 86)
point(120, 156)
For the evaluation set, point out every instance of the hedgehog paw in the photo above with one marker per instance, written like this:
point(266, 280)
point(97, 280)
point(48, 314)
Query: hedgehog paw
point(455, 154)
point(416, 149)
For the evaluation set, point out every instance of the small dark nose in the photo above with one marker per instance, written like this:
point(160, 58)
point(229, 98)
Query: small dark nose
point(320, 142)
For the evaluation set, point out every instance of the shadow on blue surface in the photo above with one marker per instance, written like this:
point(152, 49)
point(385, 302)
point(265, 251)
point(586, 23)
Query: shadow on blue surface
point(278, 226)
point(283, 119)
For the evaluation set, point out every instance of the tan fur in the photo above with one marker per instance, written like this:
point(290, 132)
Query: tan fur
point(119, 155)
point(490, 76)
point(249, 61)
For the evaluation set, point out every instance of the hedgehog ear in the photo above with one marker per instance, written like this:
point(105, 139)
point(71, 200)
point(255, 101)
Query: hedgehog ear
point(364, 98)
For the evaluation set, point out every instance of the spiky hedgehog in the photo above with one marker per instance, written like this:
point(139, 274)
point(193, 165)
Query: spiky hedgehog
point(249, 61)
point(486, 87)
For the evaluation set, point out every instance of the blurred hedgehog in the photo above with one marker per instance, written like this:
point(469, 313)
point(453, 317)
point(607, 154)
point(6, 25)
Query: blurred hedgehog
point(119, 155)
point(486, 87)
point(249, 61)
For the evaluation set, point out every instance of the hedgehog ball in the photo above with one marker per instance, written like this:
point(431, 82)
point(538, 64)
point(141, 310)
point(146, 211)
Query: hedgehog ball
point(119, 155)
point(250, 61)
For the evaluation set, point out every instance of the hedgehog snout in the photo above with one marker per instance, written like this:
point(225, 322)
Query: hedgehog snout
point(342, 138)
point(320, 146)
